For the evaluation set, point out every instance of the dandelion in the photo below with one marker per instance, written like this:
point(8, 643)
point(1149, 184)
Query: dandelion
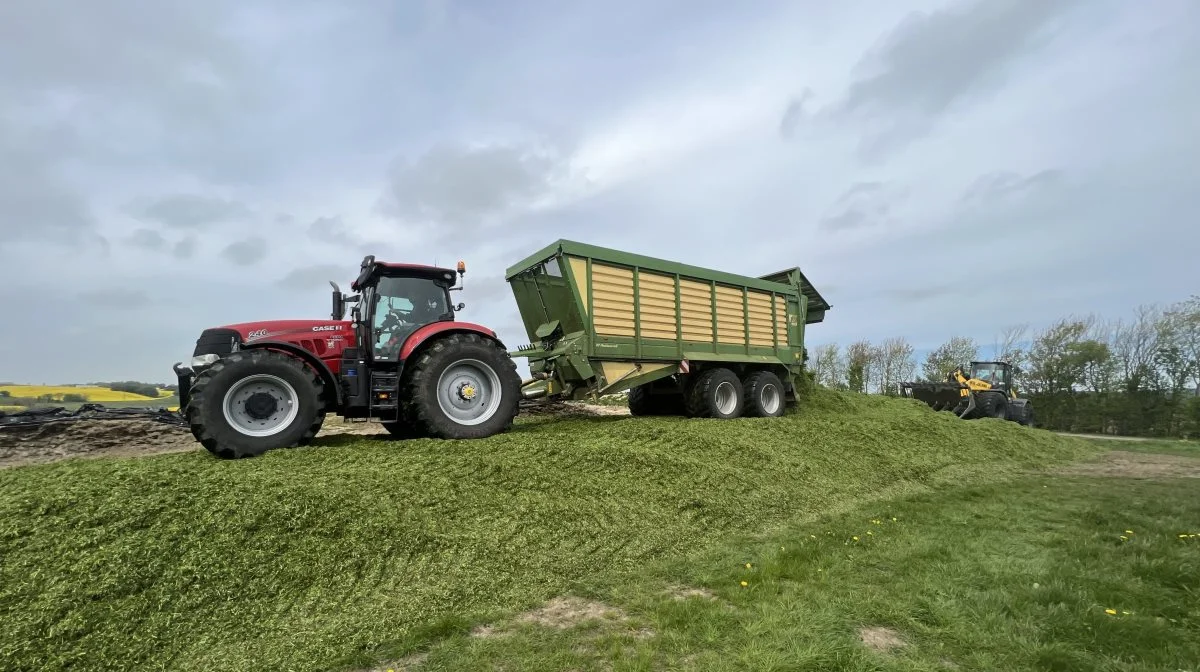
point(812, 536)
point(870, 532)
point(854, 538)
point(747, 565)
point(744, 584)
point(1124, 538)
point(893, 519)
point(1183, 536)
point(1111, 612)
point(1128, 531)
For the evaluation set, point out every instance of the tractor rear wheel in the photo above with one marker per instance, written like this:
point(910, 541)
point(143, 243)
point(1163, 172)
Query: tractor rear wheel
point(993, 405)
point(716, 393)
point(252, 401)
point(764, 395)
point(462, 386)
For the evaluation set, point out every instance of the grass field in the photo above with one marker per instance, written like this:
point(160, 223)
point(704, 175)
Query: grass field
point(353, 552)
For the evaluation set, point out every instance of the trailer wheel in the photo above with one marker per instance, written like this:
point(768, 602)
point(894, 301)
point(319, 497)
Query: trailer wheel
point(716, 393)
point(253, 401)
point(462, 387)
point(764, 395)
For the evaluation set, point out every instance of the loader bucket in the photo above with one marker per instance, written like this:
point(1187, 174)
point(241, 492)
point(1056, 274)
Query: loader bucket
point(940, 396)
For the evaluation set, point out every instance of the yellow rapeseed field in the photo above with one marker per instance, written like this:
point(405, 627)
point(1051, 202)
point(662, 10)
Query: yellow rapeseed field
point(95, 394)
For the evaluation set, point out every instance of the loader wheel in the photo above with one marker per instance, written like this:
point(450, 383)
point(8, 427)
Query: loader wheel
point(764, 395)
point(993, 405)
point(716, 393)
point(252, 401)
point(462, 387)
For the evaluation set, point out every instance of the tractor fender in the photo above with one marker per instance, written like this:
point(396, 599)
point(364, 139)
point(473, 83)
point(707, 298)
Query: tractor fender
point(333, 391)
point(420, 336)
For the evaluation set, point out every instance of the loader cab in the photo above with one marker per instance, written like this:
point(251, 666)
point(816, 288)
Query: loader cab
point(997, 374)
point(397, 299)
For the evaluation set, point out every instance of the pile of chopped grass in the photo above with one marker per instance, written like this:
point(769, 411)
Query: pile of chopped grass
point(352, 550)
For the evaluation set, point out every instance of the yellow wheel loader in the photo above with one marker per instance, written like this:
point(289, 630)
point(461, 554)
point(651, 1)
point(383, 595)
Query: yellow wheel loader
point(986, 392)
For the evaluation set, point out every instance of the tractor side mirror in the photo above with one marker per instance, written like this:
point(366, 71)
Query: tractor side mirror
point(460, 306)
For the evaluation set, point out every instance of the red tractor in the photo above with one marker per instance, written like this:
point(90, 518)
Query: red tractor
point(402, 359)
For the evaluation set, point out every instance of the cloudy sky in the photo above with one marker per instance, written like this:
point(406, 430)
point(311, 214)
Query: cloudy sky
point(934, 167)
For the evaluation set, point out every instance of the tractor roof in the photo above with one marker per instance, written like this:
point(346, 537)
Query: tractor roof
point(372, 269)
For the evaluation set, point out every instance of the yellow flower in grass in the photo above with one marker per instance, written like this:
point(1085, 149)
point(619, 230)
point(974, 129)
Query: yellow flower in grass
point(854, 538)
point(1111, 612)
point(747, 565)
point(1124, 538)
point(1128, 531)
point(744, 584)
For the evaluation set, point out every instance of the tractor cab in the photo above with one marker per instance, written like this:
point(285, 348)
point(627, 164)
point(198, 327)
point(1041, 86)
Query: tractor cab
point(394, 301)
point(996, 374)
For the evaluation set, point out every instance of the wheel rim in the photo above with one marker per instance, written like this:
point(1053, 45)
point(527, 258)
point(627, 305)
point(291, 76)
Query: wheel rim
point(769, 398)
point(468, 392)
point(261, 405)
point(726, 398)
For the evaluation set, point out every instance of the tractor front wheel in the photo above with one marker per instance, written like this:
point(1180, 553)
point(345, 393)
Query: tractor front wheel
point(462, 386)
point(253, 401)
point(993, 405)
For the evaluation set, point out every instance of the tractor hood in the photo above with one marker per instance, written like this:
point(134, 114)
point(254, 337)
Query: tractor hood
point(275, 330)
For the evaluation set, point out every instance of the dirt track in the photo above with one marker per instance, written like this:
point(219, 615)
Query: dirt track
point(125, 438)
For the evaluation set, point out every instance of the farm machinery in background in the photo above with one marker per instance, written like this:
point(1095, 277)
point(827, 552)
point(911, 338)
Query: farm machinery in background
point(987, 391)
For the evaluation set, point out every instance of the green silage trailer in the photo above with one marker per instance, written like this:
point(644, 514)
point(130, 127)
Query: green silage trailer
point(682, 340)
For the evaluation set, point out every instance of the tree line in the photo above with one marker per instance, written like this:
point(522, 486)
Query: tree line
point(1138, 376)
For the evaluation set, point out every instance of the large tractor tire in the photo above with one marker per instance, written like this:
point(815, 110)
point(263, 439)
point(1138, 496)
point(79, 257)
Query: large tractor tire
point(716, 393)
point(764, 394)
point(992, 405)
point(252, 401)
point(462, 386)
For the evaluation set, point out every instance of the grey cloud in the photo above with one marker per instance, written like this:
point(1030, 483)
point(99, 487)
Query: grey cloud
point(1001, 185)
point(185, 248)
point(793, 114)
point(460, 185)
point(307, 277)
point(933, 61)
point(192, 211)
point(116, 298)
point(923, 293)
point(864, 204)
point(328, 229)
point(147, 239)
point(246, 252)
point(37, 201)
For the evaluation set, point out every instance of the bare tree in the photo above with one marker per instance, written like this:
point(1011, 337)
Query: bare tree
point(858, 365)
point(829, 368)
point(891, 361)
point(1134, 345)
point(958, 351)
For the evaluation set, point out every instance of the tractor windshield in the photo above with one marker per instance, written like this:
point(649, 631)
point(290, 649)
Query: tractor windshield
point(989, 373)
point(400, 306)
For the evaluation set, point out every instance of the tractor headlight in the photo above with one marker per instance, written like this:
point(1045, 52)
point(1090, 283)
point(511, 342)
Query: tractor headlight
point(201, 361)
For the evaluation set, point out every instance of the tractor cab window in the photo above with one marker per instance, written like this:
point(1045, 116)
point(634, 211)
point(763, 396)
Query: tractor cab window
point(400, 306)
point(989, 373)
